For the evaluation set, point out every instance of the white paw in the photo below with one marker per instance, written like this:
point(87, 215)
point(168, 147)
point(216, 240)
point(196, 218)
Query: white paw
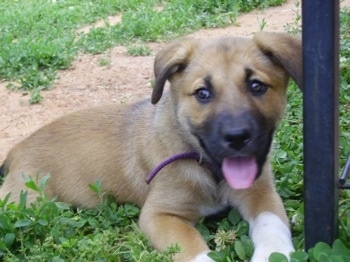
point(269, 235)
point(202, 257)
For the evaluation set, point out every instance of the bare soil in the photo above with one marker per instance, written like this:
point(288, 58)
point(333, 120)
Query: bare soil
point(125, 78)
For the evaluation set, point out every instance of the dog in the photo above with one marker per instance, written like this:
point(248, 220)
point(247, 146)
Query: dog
point(215, 122)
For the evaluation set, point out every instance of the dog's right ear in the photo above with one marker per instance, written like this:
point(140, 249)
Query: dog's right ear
point(172, 59)
point(285, 50)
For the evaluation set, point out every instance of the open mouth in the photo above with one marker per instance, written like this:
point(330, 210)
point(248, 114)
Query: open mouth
point(239, 169)
point(240, 172)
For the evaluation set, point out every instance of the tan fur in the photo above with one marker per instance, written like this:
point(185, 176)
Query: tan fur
point(120, 145)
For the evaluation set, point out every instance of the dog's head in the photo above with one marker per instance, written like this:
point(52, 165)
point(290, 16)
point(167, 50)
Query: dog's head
point(229, 96)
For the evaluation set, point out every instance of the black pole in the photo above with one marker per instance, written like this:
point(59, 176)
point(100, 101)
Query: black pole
point(321, 100)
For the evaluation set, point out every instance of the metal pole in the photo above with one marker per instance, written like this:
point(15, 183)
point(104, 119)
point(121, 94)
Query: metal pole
point(321, 101)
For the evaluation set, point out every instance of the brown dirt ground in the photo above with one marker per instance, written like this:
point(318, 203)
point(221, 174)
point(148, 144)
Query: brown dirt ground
point(124, 79)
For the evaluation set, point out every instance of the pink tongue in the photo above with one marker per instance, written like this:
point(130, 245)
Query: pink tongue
point(239, 172)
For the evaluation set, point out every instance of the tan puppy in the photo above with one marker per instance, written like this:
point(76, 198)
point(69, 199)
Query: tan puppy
point(226, 99)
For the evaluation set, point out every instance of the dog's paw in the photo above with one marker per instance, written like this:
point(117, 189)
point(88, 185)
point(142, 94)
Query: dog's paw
point(269, 235)
point(202, 257)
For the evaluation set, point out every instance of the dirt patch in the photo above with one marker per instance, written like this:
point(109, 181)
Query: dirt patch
point(110, 20)
point(124, 79)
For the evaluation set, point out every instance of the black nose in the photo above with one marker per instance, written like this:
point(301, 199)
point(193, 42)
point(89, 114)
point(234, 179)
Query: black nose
point(237, 138)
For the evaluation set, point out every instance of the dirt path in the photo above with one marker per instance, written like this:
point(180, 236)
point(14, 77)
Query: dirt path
point(126, 78)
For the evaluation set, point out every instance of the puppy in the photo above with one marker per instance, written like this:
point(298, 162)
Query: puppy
point(225, 101)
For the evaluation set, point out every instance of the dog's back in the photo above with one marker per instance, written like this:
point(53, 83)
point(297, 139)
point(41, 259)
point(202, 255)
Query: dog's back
point(77, 149)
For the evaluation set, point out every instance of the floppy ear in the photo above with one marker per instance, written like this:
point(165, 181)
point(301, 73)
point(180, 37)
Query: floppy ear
point(285, 50)
point(172, 59)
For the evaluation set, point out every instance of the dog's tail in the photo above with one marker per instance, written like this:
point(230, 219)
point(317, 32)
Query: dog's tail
point(3, 170)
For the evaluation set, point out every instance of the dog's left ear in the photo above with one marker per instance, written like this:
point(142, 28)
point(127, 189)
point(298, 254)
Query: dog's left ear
point(285, 50)
point(172, 59)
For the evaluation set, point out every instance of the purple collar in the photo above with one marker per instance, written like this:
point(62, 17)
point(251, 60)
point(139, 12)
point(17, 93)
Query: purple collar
point(188, 155)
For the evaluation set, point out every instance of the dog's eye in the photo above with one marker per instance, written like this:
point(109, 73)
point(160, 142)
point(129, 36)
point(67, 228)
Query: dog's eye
point(257, 88)
point(203, 95)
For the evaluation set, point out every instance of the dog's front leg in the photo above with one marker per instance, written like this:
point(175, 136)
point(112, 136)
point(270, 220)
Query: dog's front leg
point(262, 207)
point(165, 229)
point(269, 234)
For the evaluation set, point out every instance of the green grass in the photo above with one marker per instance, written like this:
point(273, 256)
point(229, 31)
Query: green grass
point(52, 231)
point(38, 37)
point(139, 50)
